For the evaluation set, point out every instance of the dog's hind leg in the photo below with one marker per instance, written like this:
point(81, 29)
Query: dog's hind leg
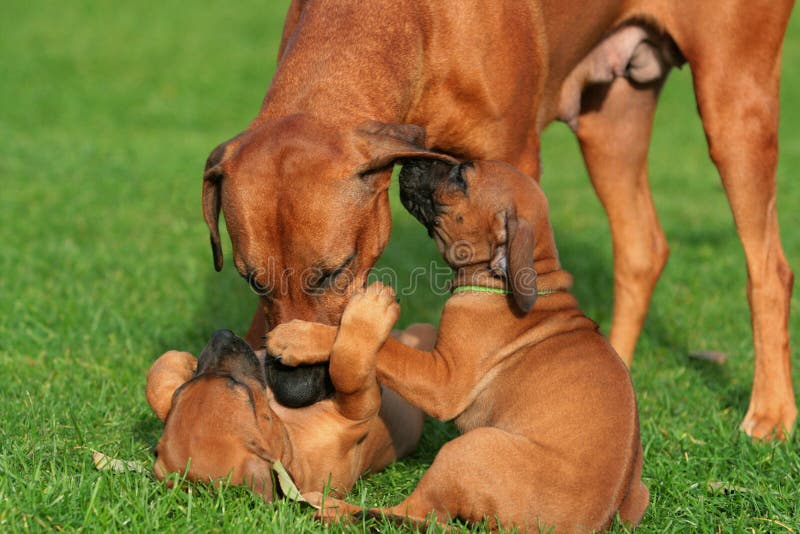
point(614, 133)
point(736, 61)
point(504, 478)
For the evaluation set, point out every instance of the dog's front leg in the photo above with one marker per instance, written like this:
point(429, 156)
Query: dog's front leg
point(366, 323)
point(352, 348)
point(301, 342)
point(430, 381)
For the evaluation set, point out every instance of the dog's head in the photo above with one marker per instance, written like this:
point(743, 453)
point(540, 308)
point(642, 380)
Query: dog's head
point(218, 422)
point(307, 211)
point(306, 207)
point(482, 216)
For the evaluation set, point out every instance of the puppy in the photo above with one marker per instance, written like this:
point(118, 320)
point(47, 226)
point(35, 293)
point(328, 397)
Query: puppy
point(546, 408)
point(221, 419)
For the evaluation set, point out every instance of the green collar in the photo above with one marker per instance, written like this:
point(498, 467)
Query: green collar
point(481, 289)
point(501, 291)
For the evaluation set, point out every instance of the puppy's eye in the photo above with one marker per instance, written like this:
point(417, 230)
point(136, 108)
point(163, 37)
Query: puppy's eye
point(458, 177)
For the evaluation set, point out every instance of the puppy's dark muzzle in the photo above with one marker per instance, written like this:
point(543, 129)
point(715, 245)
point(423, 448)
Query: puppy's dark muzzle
point(223, 341)
point(228, 354)
point(296, 387)
point(419, 179)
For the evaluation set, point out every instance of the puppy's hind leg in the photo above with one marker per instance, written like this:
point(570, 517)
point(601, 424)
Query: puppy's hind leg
point(504, 478)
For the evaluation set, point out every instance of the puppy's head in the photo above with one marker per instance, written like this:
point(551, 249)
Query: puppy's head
point(481, 214)
point(218, 422)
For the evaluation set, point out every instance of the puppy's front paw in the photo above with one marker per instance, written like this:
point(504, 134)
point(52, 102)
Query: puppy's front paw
point(301, 342)
point(371, 314)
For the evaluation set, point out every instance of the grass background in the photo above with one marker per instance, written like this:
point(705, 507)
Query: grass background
point(107, 113)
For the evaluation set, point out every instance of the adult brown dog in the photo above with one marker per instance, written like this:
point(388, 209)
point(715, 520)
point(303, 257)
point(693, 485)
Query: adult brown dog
point(545, 406)
point(222, 420)
point(303, 188)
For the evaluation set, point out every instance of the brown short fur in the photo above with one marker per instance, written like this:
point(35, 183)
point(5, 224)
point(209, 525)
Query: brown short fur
point(304, 186)
point(546, 408)
point(221, 420)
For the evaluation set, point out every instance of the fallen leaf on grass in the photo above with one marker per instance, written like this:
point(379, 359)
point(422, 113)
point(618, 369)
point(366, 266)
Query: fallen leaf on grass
point(726, 488)
point(775, 522)
point(107, 463)
point(709, 356)
point(287, 485)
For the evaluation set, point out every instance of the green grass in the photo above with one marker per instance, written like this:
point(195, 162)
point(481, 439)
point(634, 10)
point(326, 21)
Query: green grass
point(108, 112)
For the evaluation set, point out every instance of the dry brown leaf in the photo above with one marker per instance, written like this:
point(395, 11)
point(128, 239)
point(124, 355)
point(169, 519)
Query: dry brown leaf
point(709, 356)
point(726, 488)
point(287, 485)
point(107, 463)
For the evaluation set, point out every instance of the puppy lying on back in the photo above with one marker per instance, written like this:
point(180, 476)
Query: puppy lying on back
point(546, 408)
point(221, 418)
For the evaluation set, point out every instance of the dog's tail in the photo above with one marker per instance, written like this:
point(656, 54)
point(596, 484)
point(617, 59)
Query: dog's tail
point(636, 497)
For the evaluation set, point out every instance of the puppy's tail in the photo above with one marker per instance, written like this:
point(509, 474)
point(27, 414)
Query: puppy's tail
point(634, 503)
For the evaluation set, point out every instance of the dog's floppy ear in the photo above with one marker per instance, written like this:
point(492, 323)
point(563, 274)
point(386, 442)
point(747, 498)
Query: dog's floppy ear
point(514, 257)
point(386, 143)
point(166, 375)
point(212, 178)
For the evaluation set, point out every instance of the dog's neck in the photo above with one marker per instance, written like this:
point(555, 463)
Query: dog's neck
point(479, 275)
point(319, 67)
point(555, 311)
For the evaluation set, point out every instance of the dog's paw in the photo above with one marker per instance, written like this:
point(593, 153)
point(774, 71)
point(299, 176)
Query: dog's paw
point(301, 342)
point(330, 509)
point(371, 314)
point(769, 426)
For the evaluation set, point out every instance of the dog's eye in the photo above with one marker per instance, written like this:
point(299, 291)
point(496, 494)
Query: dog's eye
point(326, 277)
point(251, 277)
point(255, 285)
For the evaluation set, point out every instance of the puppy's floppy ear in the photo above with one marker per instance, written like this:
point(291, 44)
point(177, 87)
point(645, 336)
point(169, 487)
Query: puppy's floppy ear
point(386, 143)
point(212, 178)
point(514, 257)
point(167, 374)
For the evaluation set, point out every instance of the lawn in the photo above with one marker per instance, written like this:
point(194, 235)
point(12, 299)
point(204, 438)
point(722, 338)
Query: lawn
point(108, 111)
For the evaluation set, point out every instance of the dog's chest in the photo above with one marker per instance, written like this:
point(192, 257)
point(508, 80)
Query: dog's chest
point(479, 413)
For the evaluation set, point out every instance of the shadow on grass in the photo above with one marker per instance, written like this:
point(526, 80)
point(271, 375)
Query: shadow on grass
point(718, 382)
point(146, 430)
point(594, 288)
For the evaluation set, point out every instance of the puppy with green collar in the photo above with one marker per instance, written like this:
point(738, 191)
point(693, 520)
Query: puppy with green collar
point(545, 406)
